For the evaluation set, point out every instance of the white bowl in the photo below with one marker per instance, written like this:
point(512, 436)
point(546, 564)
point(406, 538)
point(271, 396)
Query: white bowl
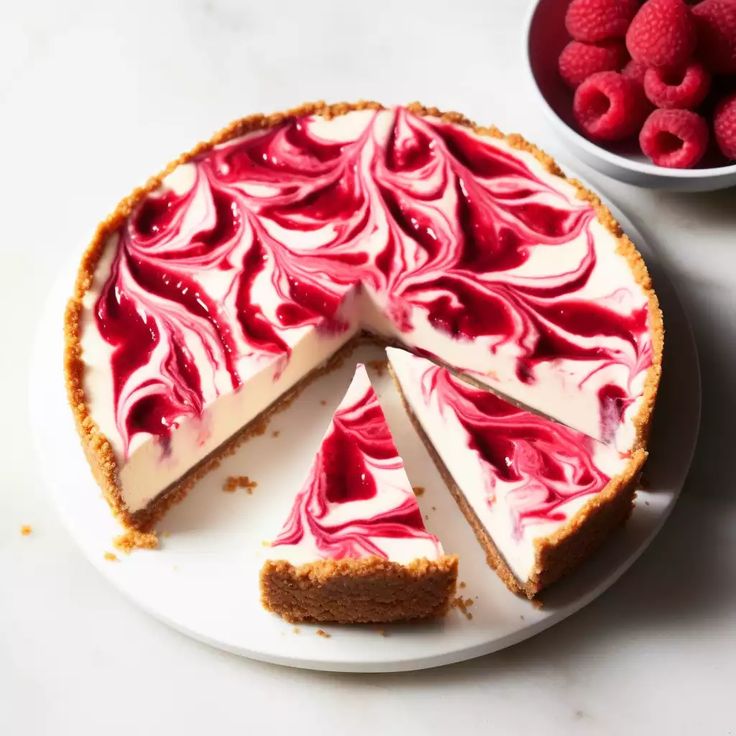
point(544, 38)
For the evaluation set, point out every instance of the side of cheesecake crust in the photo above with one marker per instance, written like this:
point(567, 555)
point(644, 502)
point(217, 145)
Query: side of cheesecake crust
point(97, 447)
point(367, 590)
point(561, 552)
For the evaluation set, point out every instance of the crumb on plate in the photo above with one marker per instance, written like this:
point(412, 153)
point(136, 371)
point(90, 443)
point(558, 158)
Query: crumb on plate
point(463, 604)
point(233, 482)
point(134, 539)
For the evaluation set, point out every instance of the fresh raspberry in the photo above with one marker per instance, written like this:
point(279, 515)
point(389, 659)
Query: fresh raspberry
point(579, 60)
point(635, 70)
point(685, 89)
point(609, 106)
point(724, 126)
point(592, 21)
point(715, 21)
point(676, 139)
point(662, 34)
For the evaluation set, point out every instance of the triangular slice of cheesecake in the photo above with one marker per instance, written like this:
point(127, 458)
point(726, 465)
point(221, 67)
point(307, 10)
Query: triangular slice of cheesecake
point(354, 548)
point(539, 495)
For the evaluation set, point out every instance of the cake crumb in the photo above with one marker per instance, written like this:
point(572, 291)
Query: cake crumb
point(296, 630)
point(323, 633)
point(434, 508)
point(111, 557)
point(463, 604)
point(275, 433)
point(379, 366)
point(461, 584)
point(418, 490)
point(233, 482)
point(26, 529)
point(323, 402)
point(133, 539)
point(382, 632)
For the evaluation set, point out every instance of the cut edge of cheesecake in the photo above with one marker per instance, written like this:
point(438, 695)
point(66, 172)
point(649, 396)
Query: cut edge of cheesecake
point(567, 547)
point(352, 591)
point(98, 449)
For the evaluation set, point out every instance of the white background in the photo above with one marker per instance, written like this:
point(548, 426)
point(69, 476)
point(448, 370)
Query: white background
point(93, 98)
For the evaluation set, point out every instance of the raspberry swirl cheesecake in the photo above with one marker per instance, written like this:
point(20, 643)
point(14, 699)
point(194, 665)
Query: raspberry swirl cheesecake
point(215, 291)
point(539, 495)
point(354, 547)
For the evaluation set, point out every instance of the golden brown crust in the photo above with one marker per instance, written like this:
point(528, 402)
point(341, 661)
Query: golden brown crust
point(558, 553)
point(369, 590)
point(97, 447)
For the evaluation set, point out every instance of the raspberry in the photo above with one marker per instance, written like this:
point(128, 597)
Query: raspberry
point(662, 34)
point(609, 106)
point(715, 21)
point(592, 21)
point(724, 125)
point(684, 89)
point(579, 60)
point(635, 70)
point(676, 139)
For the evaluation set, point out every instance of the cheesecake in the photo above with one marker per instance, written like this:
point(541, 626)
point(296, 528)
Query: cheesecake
point(354, 548)
point(215, 292)
point(540, 496)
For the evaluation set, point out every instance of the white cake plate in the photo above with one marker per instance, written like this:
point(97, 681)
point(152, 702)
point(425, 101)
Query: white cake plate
point(203, 580)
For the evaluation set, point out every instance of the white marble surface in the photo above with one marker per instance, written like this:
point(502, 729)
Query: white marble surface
point(93, 97)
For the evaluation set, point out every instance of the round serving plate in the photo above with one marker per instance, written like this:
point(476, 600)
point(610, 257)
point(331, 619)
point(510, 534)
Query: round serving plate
point(203, 580)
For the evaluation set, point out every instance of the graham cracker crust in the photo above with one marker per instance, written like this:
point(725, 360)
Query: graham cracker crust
point(97, 447)
point(558, 553)
point(370, 590)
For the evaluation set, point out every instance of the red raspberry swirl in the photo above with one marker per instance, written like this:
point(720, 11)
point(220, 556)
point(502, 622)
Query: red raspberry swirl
point(263, 236)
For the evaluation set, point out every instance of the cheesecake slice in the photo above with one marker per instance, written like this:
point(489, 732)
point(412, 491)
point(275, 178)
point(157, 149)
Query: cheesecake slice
point(354, 547)
point(539, 496)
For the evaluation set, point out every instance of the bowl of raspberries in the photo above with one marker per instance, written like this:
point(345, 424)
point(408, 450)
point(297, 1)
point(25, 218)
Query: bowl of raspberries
point(641, 90)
